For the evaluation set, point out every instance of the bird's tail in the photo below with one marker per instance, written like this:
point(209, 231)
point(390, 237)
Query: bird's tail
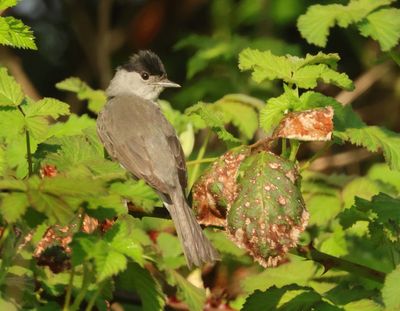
point(196, 247)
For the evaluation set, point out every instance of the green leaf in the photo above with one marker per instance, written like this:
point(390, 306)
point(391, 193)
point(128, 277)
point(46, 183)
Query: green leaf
point(303, 72)
point(108, 261)
point(363, 304)
point(96, 98)
point(15, 33)
point(323, 208)
point(374, 139)
point(265, 65)
point(171, 249)
point(67, 186)
point(267, 300)
point(193, 296)
point(37, 127)
point(47, 107)
point(241, 113)
point(391, 290)
point(13, 206)
point(296, 271)
point(4, 4)
point(56, 209)
point(75, 125)
point(274, 111)
point(10, 91)
point(307, 77)
point(315, 24)
point(3, 162)
point(138, 192)
point(120, 238)
point(138, 279)
point(382, 26)
point(383, 173)
point(212, 120)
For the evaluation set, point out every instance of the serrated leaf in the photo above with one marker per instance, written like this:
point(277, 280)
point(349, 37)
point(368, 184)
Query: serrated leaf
point(267, 300)
point(3, 162)
point(56, 209)
point(108, 261)
point(47, 107)
point(4, 4)
point(382, 26)
point(383, 173)
point(120, 239)
point(375, 138)
point(139, 280)
point(213, 120)
point(274, 111)
point(75, 125)
point(295, 271)
point(308, 76)
point(265, 65)
point(15, 33)
point(321, 216)
point(96, 98)
point(67, 186)
point(138, 192)
point(363, 304)
point(315, 24)
point(391, 290)
point(37, 128)
point(13, 206)
point(171, 249)
point(240, 113)
point(10, 91)
point(193, 296)
point(16, 156)
point(303, 72)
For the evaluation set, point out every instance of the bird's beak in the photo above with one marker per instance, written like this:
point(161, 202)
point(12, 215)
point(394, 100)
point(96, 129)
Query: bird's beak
point(166, 83)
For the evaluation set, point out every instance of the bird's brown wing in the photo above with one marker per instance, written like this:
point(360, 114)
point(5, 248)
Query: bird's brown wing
point(135, 133)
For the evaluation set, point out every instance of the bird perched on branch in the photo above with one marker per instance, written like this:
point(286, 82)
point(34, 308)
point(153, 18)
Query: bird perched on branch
point(135, 133)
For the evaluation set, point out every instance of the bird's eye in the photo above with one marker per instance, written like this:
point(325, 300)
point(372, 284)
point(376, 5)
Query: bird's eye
point(145, 75)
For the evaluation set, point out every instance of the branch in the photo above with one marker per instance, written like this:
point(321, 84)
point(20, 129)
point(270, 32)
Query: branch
point(363, 83)
point(329, 262)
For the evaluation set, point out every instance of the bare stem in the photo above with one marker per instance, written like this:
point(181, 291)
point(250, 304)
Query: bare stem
point(92, 300)
point(200, 157)
point(329, 262)
point(205, 160)
point(69, 290)
point(28, 147)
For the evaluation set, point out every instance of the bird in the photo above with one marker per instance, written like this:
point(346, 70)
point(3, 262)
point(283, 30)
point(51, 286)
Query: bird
point(135, 133)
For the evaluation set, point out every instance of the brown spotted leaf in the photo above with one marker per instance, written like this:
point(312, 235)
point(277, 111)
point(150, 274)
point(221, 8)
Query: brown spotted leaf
point(309, 125)
point(269, 213)
point(217, 188)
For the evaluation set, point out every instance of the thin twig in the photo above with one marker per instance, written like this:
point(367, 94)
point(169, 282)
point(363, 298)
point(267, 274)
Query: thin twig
point(200, 156)
point(363, 83)
point(205, 160)
point(340, 159)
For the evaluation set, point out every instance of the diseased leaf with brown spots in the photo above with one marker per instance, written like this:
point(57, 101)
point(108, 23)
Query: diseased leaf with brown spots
point(217, 188)
point(309, 125)
point(269, 213)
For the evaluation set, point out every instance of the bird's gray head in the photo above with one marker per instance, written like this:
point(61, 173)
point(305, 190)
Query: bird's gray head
point(144, 75)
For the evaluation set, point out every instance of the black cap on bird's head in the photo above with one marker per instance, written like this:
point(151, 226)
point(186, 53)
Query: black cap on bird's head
point(149, 65)
point(145, 61)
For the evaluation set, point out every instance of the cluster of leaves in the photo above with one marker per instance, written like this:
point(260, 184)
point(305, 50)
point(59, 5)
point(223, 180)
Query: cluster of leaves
point(375, 19)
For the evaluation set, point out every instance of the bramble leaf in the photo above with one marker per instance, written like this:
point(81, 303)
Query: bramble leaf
point(303, 72)
point(138, 192)
point(4, 4)
point(382, 26)
point(213, 120)
point(141, 281)
point(120, 239)
point(315, 24)
point(10, 91)
point(15, 33)
point(108, 261)
point(13, 206)
point(96, 98)
point(193, 296)
point(391, 290)
point(375, 138)
point(47, 107)
point(75, 125)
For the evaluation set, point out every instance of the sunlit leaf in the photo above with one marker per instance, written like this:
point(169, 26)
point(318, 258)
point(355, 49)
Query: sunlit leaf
point(15, 33)
point(391, 290)
point(13, 206)
point(10, 91)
